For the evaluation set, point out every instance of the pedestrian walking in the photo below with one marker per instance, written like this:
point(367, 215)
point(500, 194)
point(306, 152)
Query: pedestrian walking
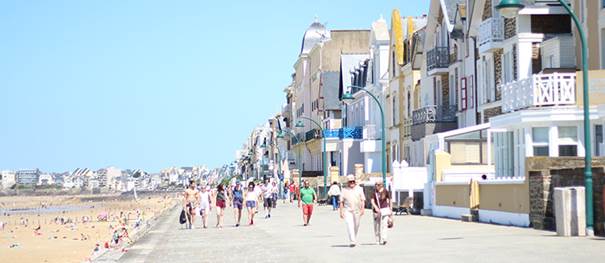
point(221, 203)
point(292, 192)
point(205, 205)
point(238, 201)
point(352, 202)
point(251, 201)
point(383, 213)
point(308, 198)
point(267, 198)
point(286, 191)
point(274, 193)
point(190, 202)
point(334, 194)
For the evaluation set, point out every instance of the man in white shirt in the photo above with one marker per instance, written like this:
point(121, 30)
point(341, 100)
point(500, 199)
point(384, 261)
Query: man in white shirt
point(352, 205)
point(334, 194)
point(268, 198)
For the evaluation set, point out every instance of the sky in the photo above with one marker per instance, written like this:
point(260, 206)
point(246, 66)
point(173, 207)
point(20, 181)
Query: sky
point(151, 84)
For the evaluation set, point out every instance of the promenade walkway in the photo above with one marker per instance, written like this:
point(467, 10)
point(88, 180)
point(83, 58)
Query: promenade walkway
point(414, 239)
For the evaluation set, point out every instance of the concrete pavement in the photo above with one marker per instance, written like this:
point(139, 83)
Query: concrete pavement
point(414, 238)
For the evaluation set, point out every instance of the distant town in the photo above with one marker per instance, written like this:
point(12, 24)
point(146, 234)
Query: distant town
point(106, 180)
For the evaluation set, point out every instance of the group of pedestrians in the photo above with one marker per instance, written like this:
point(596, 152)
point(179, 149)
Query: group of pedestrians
point(350, 201)
point(200, 201)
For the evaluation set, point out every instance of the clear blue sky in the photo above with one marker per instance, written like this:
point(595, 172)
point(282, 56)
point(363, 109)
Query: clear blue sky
point(151, 84)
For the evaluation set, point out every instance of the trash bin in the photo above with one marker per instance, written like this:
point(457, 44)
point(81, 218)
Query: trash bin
point(570, 211)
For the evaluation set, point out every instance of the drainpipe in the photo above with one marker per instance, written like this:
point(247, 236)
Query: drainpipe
point(477, 121)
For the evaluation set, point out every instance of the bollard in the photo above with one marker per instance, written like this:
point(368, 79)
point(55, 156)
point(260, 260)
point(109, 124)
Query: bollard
point(570, 209)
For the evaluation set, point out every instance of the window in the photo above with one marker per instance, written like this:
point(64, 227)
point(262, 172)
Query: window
point(463, 95)
point(394, 107)
point(540, 141)
point(471, 92)
point(568, 141)
point(603, 46)
point(598, 135)
point(507, 67)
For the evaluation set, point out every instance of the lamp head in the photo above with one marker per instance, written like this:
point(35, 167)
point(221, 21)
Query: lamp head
point(300, 124)
point(510, 8)
point(280, 135)
point(347, 96)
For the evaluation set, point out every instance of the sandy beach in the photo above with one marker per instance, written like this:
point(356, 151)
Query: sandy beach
point(68, 228)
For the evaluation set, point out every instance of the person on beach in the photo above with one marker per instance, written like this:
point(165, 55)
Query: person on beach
point(238, 201)
point(383, 212)
point(191, 197)
point(251, 201)
point(352, 202)
point(221, 203)
point(205, 205)
point(334, 194)
point(267, 198)
point(308, 198)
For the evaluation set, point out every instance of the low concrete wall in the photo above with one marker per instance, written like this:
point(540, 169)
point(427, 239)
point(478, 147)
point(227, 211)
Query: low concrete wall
point(452, 194)
point(505, 196)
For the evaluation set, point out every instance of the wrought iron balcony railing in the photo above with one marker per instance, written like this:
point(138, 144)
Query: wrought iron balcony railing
point(434, 113)
point(437, 58)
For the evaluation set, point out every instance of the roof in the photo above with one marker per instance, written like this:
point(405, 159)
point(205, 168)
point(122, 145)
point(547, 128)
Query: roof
point(380, 30)
point(449, 7)
point(348, 62)
point(315, 34)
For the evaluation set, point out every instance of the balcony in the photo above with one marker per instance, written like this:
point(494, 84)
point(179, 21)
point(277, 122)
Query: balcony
point(332, 133)
point(311, 134)
point(437, 60)
point(540, 90)
point(351, 133)
point(434, 113)
point(370, 132)
point(433, 119)
point(491, 33)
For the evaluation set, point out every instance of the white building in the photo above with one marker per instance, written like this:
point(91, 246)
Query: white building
point(7, 179)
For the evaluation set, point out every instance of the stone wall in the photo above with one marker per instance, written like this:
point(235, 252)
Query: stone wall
point(510, 27)
point(546, 173)
point(498, 73)
point(487, 10)
point(491, 112)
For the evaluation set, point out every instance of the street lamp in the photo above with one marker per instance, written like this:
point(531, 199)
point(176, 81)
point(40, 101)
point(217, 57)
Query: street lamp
point(510, 9)
point(349, 96)
point(281, 135)
point(300, 124)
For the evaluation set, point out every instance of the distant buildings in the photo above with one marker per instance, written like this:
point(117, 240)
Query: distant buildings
point(27, 177)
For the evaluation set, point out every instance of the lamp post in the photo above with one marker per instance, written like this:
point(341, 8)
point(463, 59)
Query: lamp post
point(300, 124)
point(349, 96)
point(510, 9)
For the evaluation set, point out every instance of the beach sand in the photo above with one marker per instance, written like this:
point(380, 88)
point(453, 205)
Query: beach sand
point(69, 242)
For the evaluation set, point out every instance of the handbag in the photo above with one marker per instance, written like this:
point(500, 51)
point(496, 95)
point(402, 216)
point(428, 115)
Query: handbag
point(390, 222)
point(383, 211)
point(183, 217)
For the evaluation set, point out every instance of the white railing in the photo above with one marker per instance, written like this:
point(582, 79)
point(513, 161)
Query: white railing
point(556, 89)
point(491, 30)
point(370, 132)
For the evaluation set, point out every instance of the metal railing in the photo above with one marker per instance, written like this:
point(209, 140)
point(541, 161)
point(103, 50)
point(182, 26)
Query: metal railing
point(311, 134)
point(491, 30)
point(434, 113)
point(556, 89)
point(438, 58)
point(332, 133)
point(351, 133)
